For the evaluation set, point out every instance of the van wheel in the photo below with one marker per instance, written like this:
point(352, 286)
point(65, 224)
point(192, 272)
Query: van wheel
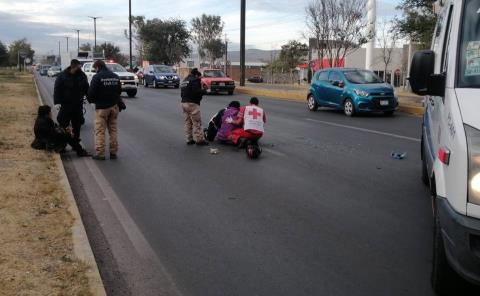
point(445, 281)
point(425, 178)
point(349, 108)
point(311, 103)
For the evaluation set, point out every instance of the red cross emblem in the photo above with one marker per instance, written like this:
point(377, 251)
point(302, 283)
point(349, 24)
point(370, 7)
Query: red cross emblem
point(254, 113)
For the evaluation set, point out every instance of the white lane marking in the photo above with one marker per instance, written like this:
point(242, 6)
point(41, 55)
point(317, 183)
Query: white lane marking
point(365, 130)
point(274, 152)
point(135, 235)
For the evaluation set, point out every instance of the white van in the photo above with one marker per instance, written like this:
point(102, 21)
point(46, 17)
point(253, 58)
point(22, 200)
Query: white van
point(449, 78)
point(129, 81)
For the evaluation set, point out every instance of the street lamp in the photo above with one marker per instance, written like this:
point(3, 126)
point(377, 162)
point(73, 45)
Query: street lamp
point(242, 42)
point(78, 40)
point(130, 31)
point(95, 31)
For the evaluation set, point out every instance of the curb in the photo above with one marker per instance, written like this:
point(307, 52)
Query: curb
point(299, 96)
point(81, 245)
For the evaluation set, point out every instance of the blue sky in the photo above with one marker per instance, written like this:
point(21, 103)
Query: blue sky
point(270, 23)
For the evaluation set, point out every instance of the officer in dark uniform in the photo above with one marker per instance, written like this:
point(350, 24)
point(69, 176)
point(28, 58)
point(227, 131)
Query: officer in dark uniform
point(71, 87)
point(104, 92)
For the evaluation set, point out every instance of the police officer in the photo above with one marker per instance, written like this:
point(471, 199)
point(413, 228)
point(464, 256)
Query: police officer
point(104, 92)
point(192, 93)
point(71, 86)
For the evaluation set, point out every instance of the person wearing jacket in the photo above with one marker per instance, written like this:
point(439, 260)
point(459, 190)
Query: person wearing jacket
point(252, 119)
point(226, 128)
point(192, 94)
point(104, 92)
point(49, 136)
point(71, 86)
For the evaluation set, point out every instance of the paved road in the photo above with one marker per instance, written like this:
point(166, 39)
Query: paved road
point(325, 211)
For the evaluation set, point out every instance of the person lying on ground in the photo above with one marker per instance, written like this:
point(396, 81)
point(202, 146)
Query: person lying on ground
point(50, 136)
point(252, 119)
point(226, 128)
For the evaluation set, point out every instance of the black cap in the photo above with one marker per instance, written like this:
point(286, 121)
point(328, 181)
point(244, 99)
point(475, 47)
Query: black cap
point(44, 110)
point(196, 72)
point(75, 62)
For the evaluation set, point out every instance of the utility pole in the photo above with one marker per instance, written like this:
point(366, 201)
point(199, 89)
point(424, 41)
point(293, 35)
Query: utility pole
point(95, 31)
point(372, 19)
point(67, 42)
point(242, 42)
point(130, 31)
point(59, 54)
point(226, 55)
point(78, 41)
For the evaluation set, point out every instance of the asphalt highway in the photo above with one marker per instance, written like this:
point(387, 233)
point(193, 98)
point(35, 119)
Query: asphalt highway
point(324, 211)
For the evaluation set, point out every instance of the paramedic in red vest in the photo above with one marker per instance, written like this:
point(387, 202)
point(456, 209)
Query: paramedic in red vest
point(252, 118)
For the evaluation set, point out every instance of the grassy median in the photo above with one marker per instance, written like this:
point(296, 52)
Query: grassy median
point(36, 246)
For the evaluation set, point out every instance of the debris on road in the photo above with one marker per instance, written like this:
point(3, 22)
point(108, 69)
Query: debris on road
point(398, 155)
point(214, 151)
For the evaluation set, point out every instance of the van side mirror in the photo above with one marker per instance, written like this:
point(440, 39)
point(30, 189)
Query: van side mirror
point(422, 78)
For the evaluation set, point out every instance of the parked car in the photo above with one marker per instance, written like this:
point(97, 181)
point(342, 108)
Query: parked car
point(54, 71)
point(128, 80)
point(215, 81)
point(160, 76)
point(351, 90)
point(256, 79)
point(44, 70)
point(448, 76)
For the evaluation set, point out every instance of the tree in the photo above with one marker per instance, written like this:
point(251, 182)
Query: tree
point(418, 21)
point(165, 42)
point(387, 38)
point(3, 54)
point(207, 33)
point(292, 54)
point(112, 52)
point(338, 27)
point(137, 23)
point(21, 46)
point(86, 47)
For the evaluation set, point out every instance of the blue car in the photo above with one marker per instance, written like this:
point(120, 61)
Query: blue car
point(160, 76)
point(351, 90)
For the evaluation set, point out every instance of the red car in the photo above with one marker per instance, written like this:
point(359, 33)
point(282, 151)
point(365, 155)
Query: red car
point(215, 81)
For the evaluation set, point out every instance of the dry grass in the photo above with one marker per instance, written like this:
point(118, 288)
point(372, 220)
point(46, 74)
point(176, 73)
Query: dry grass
point(36, 250)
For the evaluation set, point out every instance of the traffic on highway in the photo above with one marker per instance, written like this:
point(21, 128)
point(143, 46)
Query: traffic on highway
point(319, 177)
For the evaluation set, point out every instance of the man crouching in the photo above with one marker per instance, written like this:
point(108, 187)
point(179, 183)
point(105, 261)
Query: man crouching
point(104, 92)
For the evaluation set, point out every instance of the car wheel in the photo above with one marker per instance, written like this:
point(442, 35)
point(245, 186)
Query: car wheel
point(389, 113)
point(230, 92)
point(349, 107)
point(131, 93)
point(145, 83)
point(311, 103)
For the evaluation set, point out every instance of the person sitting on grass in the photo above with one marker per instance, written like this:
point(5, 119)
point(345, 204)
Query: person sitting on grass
point(49, 136)
point(252, 119)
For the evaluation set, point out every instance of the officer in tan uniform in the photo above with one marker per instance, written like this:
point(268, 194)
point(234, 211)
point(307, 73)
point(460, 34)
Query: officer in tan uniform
point(192, 93)
point(104, 92)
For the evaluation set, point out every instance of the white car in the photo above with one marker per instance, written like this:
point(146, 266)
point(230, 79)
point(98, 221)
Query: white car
point(449, 77)
point(128, 80)
point(53, 71)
